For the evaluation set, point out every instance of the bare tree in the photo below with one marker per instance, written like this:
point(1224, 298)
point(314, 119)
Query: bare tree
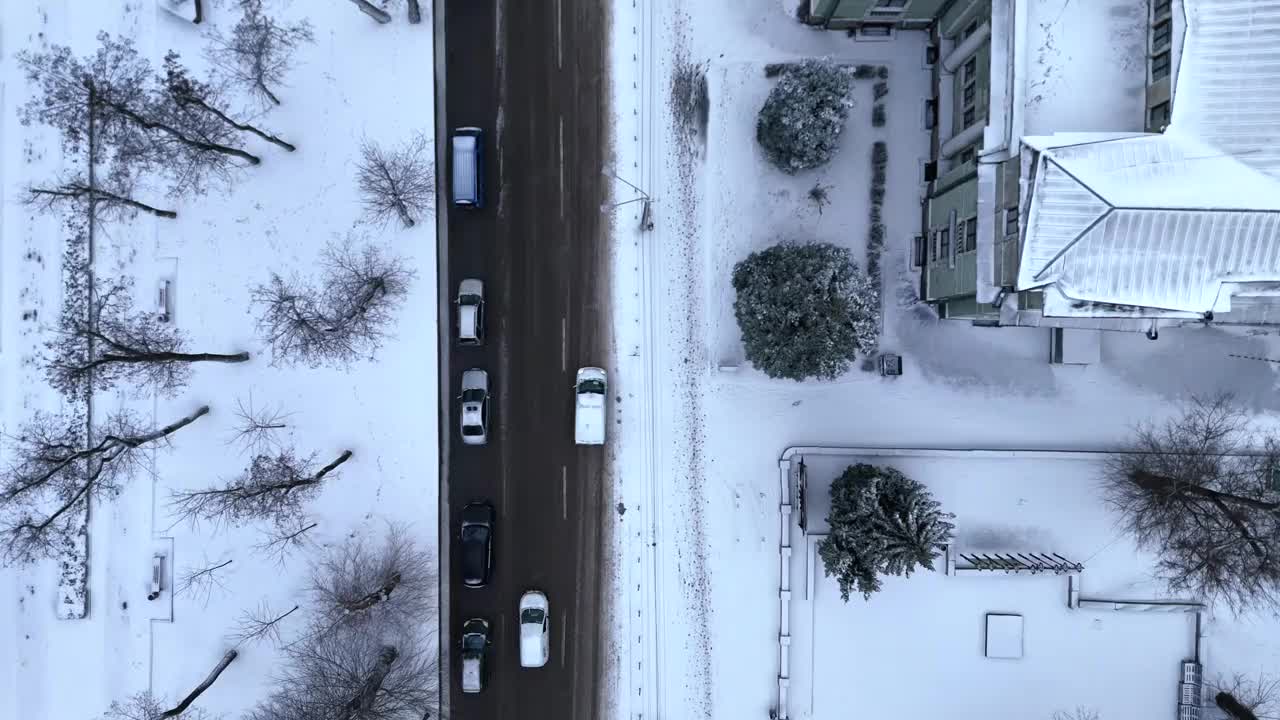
point(343, 317)
point(398, 183)
point(200, 581)
point(203, 100)
point(373, 11)
point(111, 193)
point(256, 427)
point(261, 623)
point(355, 675)
point(259, 51)
point(285, 538)
point(109, 342)
point(115, 96)
point(387, 585)
point(273, 487)
point(1080, 713)
point(145, 706)
point(1200, 491)
point(1244, 697)
point(52, 474)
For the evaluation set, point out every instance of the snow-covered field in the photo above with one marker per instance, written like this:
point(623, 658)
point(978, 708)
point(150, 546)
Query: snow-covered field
point(359, 79)
point(698, 546)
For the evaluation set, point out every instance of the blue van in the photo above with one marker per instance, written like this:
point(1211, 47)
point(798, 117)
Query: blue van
point(468, 167)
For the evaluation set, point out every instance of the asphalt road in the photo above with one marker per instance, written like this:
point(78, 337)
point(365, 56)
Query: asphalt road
point(531, 74)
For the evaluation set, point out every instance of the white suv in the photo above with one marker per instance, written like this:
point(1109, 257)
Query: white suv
point(470, 312)
point(475, 407)
point(535, 622)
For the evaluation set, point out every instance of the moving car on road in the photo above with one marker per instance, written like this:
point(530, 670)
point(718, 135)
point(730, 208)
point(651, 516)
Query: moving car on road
point(588, 416)
point(475, 407)
point(468, 167)
point(475, 642)
point(470, 312)
point(535, 623)
point(476, 544)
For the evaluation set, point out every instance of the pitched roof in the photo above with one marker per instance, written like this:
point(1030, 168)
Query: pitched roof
point(1163, 221)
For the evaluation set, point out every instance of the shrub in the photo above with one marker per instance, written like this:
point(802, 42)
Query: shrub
point(805, 310)
point(877, 115)
point(880, 89)
point(800, 123)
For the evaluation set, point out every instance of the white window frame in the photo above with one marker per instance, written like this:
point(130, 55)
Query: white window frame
point(881, 9)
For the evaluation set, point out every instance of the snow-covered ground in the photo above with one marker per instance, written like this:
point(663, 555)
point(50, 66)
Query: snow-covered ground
point(358, 79)
point(696, 586)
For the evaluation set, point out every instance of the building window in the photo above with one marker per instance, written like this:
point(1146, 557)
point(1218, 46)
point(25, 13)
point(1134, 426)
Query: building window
point(875, 30)
point(917, 251)
point(970, 235)
point(944, 242)
point(1161, 8)
point(1011, 222)
point(971, 29)
point(1160, 66)
point(930, 113)
point(1158, 117)
point(969, 93)
point(965, 156)
point(1161, 35)
point(884, 8)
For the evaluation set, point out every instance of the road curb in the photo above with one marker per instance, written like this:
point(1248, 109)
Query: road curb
point(442, 353)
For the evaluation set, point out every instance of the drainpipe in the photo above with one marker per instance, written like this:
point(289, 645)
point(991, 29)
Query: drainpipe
point(962, 139)
point(967, 48)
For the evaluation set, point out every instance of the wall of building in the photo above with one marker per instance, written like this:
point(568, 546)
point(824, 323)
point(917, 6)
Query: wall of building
point(840, 14)
point(1164, 39)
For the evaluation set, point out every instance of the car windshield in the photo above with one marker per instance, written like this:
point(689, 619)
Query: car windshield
point(592, 386)
point(468, 299)
point(473, 641)
point(531, 616)
point(472, 430)
point(472, 396)
point(475, 533)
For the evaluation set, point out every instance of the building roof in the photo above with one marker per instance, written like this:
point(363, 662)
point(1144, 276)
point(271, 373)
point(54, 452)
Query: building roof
point(1164, 221)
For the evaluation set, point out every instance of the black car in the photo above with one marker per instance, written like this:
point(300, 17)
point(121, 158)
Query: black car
point(477, 544)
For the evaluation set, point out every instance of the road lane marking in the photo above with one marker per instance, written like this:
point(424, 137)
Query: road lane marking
point(561, 151)
point(564, 492)
point(559, 45)
point(564, 628)
point(564, 344)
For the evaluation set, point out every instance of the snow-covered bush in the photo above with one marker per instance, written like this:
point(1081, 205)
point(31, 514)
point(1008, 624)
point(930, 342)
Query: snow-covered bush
point(881, 523)
point(805, 310)
point(800, 123)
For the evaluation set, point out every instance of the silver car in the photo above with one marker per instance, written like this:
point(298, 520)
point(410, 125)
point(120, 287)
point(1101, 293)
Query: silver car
point(470, 312)
point(475, 407)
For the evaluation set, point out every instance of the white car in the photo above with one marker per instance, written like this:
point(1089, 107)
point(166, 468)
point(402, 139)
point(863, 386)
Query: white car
point(535, 625)
point(470, 312)
point(475, 407)
point(589, 389)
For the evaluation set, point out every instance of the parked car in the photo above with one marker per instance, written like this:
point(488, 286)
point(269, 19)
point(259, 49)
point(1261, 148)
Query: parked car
point(476, 543)
point(474, 415)
point(475, 643)
point(535, 625)
point(471, 312)
point(468, 167)
point(589, 391)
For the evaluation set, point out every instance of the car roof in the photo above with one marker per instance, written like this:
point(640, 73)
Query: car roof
point(471, 286)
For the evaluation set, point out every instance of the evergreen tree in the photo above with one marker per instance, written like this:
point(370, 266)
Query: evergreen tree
point(800, 123)
point(805, 310)
point(881, 523)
